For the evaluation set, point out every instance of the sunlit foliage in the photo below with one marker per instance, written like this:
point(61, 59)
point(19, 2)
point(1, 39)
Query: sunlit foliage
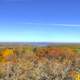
point(40, 63)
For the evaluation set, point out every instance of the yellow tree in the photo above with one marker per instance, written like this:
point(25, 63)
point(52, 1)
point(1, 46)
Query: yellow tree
point(8, 54)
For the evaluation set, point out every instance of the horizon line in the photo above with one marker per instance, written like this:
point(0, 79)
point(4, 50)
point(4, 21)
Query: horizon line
point(35, 42)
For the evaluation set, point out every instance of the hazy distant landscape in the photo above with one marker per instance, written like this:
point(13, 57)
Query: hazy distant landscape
point(39, 61)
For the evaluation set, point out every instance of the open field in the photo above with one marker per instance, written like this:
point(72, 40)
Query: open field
point(39, 61)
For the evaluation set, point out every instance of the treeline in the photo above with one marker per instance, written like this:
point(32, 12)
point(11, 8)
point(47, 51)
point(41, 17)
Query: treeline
point(46, 51)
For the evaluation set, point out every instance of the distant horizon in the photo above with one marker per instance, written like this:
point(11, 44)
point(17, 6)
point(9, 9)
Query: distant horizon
point(40, 42)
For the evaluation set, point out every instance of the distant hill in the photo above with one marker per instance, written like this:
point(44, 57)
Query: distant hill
point(38, 44)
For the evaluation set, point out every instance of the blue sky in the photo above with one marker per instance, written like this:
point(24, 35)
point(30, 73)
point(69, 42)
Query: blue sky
point(40, 20)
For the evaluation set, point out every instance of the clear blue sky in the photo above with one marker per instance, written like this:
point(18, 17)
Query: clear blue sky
point(40, 20)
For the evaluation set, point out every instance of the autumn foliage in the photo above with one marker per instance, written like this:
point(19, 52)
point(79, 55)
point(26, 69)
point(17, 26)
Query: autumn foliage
point(58, 59)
